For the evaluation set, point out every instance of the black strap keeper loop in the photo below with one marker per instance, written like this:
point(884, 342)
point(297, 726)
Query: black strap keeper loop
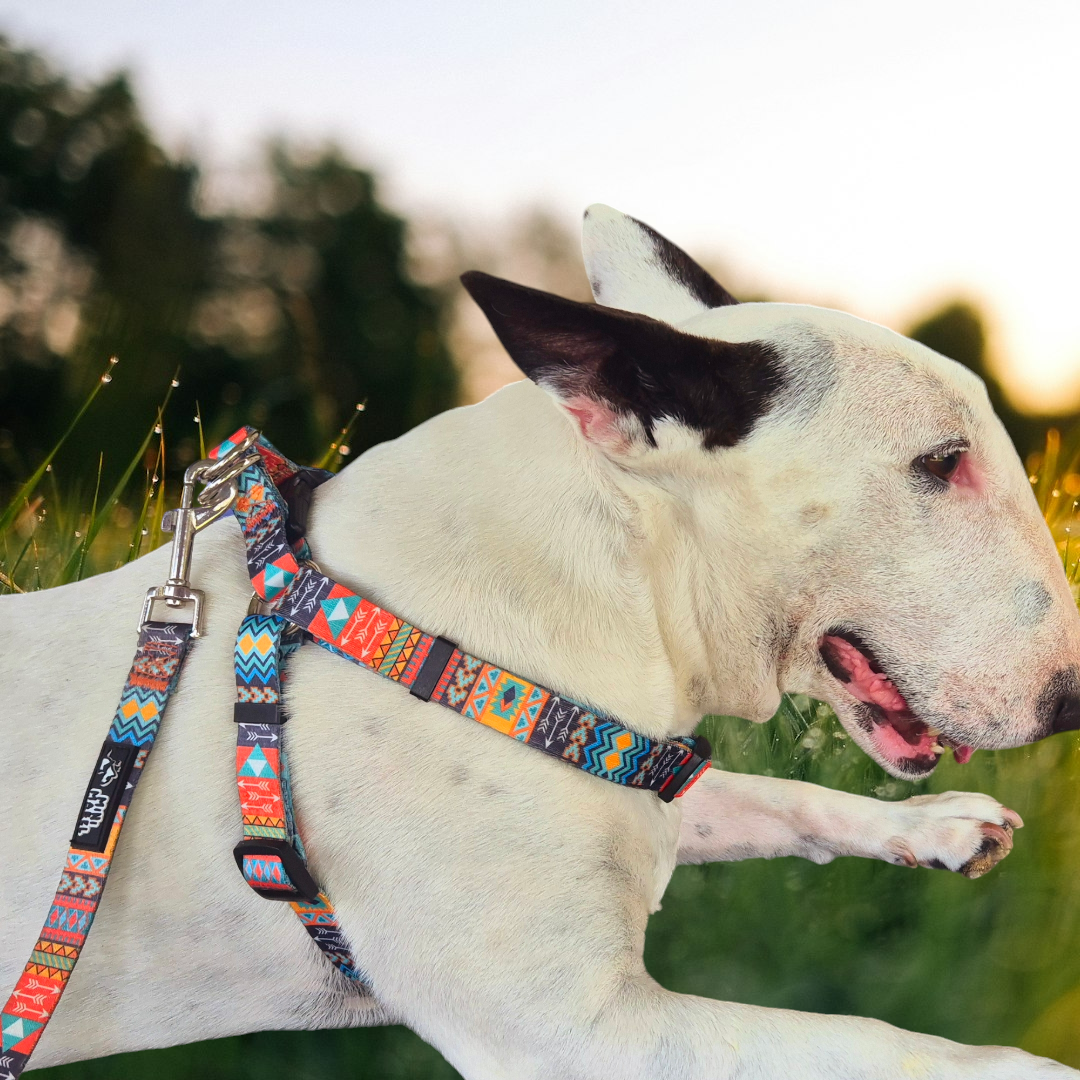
point(259, 712)
point(431, 671)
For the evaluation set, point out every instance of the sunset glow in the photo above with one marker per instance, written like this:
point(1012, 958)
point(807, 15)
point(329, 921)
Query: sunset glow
point(872, 157)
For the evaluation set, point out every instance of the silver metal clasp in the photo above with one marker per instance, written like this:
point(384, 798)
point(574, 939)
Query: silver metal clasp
point(218, 477)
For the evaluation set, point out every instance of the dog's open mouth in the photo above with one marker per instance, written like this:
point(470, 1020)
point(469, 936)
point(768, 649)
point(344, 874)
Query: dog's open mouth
point(909, 745)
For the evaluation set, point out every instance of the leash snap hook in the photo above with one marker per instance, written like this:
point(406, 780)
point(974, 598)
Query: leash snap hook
point(220, 488)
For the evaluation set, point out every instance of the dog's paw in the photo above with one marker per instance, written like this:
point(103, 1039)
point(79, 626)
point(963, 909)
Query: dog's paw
point(961, 831)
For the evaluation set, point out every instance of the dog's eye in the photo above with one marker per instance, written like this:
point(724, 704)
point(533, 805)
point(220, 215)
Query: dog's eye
point(941, 465)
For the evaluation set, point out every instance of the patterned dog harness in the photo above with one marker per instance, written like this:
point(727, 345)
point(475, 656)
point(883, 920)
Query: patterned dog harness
point(294, 602)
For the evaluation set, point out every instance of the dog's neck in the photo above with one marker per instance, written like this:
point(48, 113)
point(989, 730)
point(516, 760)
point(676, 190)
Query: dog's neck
point(499, 527)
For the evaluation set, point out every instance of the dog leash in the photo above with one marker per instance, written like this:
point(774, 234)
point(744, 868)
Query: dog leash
point(155, 671)
point(294, 601)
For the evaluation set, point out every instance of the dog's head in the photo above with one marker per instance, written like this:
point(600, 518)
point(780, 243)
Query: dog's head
point(846, 496)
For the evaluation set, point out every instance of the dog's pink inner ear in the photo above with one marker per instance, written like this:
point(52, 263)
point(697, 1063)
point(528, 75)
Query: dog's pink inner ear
point(597, 421)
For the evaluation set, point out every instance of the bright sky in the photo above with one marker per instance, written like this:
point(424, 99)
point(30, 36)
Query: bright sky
point(873, 156)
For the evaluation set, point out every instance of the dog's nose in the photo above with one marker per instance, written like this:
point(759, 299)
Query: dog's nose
point(1066, 713)
point(1059, 703)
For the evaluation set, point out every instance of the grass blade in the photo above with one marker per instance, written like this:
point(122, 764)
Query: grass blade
point(339, 447)
point(102, 515)
point(153, 478)
point(85, 545)
point(23, 494)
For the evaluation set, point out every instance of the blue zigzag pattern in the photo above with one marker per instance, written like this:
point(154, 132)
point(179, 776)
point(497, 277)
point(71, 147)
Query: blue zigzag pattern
point(253, 666)
point(603, 744)
point(135, 729)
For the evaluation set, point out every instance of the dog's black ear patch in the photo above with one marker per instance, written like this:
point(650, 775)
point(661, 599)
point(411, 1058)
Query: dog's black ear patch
point(691, 275)
point(633, 364)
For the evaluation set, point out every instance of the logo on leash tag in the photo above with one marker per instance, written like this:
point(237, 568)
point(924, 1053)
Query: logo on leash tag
point(103, 795)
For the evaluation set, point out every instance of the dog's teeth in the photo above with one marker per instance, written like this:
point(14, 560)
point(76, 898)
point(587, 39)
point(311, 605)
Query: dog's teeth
point(934, 732)
point(937, 748)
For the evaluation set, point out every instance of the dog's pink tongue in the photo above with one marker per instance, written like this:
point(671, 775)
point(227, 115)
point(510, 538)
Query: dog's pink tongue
point(962, 754)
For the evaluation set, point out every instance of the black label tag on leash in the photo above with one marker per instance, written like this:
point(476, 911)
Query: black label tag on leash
point(102, 796)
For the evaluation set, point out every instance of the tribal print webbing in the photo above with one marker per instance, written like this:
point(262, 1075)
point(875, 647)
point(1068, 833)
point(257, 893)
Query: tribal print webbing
point(262, 779)
point(358, 630)
point(152, 679)
point(350, 626)
point(262, 644)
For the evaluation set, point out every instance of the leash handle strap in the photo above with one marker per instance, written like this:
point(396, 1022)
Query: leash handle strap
point(350, 626)
point(149, 685)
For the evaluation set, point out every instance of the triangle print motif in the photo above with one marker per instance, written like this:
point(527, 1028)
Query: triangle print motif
point(337, 611)
point(14, 1029)
point(275, 578)
point(257, 765)
point(278, 577)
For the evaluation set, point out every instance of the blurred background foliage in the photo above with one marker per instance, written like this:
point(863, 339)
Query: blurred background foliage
point(312, 297)
point(285, 315)
point(284, 311)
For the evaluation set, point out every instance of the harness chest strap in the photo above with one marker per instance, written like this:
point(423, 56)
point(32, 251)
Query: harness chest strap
point(433, 668)
point(271, 856)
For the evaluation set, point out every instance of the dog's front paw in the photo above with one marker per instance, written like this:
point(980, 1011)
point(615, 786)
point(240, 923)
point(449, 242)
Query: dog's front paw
point(961, 831)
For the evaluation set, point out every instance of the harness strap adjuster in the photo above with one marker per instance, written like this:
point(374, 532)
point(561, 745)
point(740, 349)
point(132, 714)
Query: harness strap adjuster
point(699, 756)
point(275, 870)
point(431, 671)
point(259, 712)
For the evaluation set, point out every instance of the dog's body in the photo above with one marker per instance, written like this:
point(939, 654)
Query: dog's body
point(497, 898)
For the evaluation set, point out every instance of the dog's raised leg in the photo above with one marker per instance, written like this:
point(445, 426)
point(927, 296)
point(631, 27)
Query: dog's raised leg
point(732, 816)
point(651, 1034)
point(616, 1023)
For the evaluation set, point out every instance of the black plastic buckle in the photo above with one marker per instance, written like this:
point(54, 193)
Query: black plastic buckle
point(296, 491)
point(303, 882)
point(702, 752)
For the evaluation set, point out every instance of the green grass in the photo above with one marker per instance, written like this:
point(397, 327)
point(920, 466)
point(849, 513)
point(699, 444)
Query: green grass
point(993, 960)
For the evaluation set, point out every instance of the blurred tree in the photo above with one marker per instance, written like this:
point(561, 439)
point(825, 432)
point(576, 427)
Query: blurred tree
point(957, 330)
point(533, 247)
point(312, 310)
point(287, 316)
point(101, 252)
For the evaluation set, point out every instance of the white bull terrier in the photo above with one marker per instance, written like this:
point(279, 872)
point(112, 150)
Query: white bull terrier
point(694, 507)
